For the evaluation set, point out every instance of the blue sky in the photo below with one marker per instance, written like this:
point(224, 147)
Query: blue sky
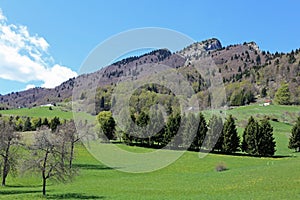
point(60, 34)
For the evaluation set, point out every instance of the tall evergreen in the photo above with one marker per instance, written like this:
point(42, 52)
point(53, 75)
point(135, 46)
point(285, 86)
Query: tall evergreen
point(250, 135)
point(266, 146)
point(294, 142)
point(231, 142)
point(173, 125)
point(27, 125)
point(258, 138)
point(190, 129)
point(214, 137)
point(54, 123)
point(201, 133)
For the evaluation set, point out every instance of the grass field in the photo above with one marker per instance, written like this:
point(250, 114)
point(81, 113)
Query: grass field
point(190, 177)
point(187, 178)
point(45, 112)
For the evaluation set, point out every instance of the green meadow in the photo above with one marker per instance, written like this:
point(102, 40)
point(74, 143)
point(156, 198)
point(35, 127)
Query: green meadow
point(189, 177)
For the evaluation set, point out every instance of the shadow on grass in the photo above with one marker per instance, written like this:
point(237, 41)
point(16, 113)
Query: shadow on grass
point(73, 196)
point(245, 155)
point(93, 167)
point(23, 186)
point(11, 192)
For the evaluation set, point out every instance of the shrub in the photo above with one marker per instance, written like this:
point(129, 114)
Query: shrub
point(221, 167)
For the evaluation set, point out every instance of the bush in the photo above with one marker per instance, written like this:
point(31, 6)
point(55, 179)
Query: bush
point(221, 167)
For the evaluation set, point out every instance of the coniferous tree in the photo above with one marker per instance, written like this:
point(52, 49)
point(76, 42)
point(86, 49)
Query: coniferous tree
point(231, 141)
point(173, 125)
point(266, 144)
point(249, 144)
point(190, 129)
point(201, 133)
point(27, 125)
point(54, 123)
point(214, 137)
point(45, 123)
point(294, 142)
point(258, 138)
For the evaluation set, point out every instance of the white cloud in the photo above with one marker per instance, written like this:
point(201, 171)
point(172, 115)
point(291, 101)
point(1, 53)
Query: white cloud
point(24, 57)
point(30, 86)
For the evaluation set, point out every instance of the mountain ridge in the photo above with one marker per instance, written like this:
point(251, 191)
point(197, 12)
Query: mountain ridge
point(237, 63)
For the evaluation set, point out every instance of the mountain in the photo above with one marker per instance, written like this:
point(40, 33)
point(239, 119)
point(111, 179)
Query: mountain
point(244, 68)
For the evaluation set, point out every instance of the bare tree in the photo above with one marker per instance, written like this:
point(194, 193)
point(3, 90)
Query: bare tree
point(47, 157)
point(71, 136)
point(9, 139)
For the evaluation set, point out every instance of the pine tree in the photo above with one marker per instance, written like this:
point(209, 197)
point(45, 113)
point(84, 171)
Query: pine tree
point(231, 142)
point(266, 144)
point(214, 134)
point(173, 125)
point(54, 123)
point(46, 122)
point(251, 132)
point(190, 139)
point(27, 125)
point(294, 142)
point(201, 132)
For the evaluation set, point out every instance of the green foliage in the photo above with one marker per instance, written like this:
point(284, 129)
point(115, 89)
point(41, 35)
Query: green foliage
point(36, 123)
point(283, 95)
point(250, 137)
point(258, 138)
point(231, 142)
point(27, 125)
point(263, 92)
point(54, 123)
point(294, 142)
point(107, 124)
point(190, 128)
point(267, 142)
point(173, 125)
point(46, 122)
point(200, 134)
point(214, 134)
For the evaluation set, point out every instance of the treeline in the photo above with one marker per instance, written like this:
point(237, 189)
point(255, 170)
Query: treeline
point(192, 132)
point(50, 153)
point(23, 124)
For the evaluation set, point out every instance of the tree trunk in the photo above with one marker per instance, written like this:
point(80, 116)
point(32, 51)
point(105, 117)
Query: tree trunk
point(5, 165)
point(44, 173)
point(44, 186)
point(5, 171)
point(71, 155)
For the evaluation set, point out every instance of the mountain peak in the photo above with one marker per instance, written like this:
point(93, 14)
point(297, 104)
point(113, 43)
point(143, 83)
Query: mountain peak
point(212, 44)
point(253, 45)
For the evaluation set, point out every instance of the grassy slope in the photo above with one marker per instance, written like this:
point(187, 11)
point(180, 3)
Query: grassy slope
point(187, 178)
point(45, 112)
point(39, 112)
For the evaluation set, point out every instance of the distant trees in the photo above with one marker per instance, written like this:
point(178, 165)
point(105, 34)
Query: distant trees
point(27, 125)
point(294, 141)
point(54, 123)
point(283, 95)
point(258, 138)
